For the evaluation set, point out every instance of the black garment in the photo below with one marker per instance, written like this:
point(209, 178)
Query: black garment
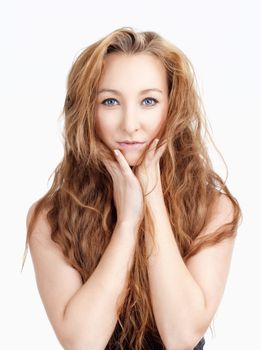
point(156, 346)
point(151, 342)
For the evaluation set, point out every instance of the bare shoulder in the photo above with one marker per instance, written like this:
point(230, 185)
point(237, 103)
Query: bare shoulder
point(222, 212)
point(40, 240)
point(42, 227)
point(224, 206)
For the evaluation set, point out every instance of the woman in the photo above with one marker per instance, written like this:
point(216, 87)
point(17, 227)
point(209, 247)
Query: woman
point(132, 250)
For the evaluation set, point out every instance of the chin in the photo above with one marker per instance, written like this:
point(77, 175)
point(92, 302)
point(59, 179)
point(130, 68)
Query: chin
point(132, 158)
point(133, 163)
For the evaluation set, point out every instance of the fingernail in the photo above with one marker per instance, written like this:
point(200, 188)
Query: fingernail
point(116, 152)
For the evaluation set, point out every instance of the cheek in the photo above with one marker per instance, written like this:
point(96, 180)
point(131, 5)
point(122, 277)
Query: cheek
point(163, 117)
point(104, 127)
point(156, 123)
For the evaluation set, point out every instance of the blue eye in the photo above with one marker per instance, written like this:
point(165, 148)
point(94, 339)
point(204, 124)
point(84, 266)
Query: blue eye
point(113, 99)
point(108, 99)
point(152, 99)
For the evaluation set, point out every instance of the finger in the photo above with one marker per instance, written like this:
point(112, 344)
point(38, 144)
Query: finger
point(110, 166)
point(152, 150)
point(159, 152)
point(122, 162)
point(154, 144)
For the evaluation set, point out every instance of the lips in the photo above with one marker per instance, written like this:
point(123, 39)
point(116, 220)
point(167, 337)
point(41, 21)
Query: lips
point(130, 142)
point(131, 145)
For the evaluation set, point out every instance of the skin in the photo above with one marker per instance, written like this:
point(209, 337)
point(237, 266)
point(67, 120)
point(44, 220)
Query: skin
point(132, 115)
point(189, 294)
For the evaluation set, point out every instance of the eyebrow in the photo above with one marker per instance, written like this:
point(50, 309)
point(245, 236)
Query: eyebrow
point(118, 93)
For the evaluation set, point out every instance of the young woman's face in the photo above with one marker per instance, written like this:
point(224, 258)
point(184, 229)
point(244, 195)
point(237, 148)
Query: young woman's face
point(128, 112)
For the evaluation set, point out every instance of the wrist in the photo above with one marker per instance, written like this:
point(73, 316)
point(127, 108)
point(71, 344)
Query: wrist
point(126, 223)
point(129, 225)
point(155, 196)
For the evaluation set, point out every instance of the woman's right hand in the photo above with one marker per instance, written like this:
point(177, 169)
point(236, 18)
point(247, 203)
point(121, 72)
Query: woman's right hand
point(127, 191)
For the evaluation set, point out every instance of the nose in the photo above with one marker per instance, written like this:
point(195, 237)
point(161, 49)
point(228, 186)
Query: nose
point(130, 121)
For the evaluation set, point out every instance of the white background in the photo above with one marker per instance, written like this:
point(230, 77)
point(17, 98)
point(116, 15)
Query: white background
point(39, 41)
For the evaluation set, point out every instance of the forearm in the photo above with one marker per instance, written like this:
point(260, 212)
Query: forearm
point(90, 316)
point(179, 302)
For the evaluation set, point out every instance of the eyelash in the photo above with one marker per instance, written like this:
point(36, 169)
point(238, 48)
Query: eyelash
point(146, 98)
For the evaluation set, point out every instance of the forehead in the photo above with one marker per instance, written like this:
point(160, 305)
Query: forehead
point(140, 70)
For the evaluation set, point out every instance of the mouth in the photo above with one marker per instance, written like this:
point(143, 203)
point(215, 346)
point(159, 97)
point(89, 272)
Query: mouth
point(131, 145)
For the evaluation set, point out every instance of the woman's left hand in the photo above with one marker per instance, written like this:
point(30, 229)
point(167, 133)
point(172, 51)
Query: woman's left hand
point(148, 173)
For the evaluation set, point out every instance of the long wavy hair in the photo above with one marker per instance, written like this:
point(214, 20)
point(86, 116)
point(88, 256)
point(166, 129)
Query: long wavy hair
point(79, 205)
